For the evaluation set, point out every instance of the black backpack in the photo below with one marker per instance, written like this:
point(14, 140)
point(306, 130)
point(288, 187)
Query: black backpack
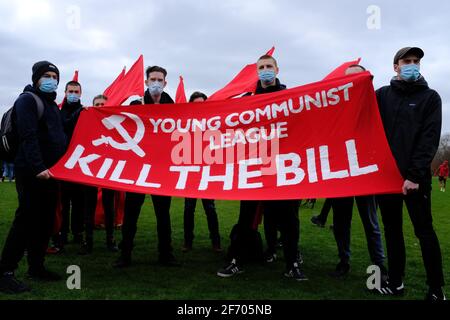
point(9, 139)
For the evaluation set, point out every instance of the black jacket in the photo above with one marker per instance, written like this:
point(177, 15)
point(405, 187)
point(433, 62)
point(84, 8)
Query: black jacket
point(165, 98)
point(277, 87)
point(41, 142)
point(70, 113)
point(412, 116)
point(260, 90)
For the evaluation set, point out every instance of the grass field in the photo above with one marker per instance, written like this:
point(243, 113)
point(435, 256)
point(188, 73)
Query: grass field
point(196, 278)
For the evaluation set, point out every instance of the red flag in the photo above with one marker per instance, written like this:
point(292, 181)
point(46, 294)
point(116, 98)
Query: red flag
point(180, 96)
point(108, 91)
point(131, 84)
point(340, 71)
point(244, 82)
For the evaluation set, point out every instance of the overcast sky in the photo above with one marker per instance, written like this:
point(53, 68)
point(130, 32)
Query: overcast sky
point(208, 42)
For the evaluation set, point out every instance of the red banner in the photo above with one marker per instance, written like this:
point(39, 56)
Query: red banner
point(321, 140)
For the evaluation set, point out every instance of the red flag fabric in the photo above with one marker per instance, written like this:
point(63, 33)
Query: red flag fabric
point(131, 84)
point(340, 71)
point(112, 87)
point(245, 81)
point(180, 96)
point(322, 140)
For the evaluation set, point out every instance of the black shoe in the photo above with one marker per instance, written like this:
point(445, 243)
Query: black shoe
point(122, 262)
point(43, 275)
point(230, 270)
point(270, 257)
point(9, 284)
point(86, 248)
point(316, 220)
point(389, 289)
point(168, 261)
point(295, 273)
point(111, 246)
point(342, 269)
point(435, 295)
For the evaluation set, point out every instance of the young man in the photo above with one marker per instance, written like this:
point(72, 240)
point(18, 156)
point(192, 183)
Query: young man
point(156, 82)
point(42, 142)
point(342, 220)
point(412, 114)
point(90, 205)
point(281, 214)
point(72, 197)
point(208, 206)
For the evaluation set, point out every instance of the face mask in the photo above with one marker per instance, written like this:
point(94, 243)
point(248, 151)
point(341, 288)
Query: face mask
point(267, 76)
point(48, 85)
point(73, 98)
point(155, 88)
point(410, 72)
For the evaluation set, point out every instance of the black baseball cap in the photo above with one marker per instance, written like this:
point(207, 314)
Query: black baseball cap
point(403, 52)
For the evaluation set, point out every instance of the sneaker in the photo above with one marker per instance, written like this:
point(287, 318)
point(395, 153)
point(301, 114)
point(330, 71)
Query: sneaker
point(54, 250)
point(112, 246)
point(122, 262)
point(86, 248)
point(295, 273)
point(168, 260)
point(315, 220)
point(435, 295)
point(230, 270)
point(270, 257)
point(43, 275)
point(342, 269)
point(388, 289)
point(9, 284)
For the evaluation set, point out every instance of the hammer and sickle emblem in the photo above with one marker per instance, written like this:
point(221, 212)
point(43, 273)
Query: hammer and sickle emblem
point(115, 122)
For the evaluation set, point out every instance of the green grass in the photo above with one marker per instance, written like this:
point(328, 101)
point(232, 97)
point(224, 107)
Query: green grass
point(196, 278)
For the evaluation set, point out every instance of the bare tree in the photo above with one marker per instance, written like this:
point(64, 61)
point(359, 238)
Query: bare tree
point(443, 152)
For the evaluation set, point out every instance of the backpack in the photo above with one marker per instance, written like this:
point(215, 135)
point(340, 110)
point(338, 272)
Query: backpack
point(248, 243)
point(9, 139)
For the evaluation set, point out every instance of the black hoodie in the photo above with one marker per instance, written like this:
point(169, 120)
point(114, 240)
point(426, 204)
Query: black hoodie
point(412, 116)
point(70, 113)
point(41, 142)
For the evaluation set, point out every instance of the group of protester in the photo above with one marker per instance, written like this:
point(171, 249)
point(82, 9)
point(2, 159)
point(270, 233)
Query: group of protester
point(411, 115)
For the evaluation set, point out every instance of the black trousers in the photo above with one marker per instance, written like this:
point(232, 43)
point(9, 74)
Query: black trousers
point(72, 198)
point(419, 209)
point(211, 217)
point(91, 204)
point(283, 214)
point(325, 211)
point(33, 222)
point(133, 205)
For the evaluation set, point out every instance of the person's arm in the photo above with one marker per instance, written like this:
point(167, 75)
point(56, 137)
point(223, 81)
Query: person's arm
point(427, 143)
point(27, 124)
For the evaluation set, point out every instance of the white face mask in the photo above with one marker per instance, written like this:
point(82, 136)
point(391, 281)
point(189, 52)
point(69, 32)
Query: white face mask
point(155, 88)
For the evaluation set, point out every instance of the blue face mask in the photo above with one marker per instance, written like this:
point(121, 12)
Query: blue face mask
point(155, 88)
point(267, 76)
point(48, 85)
point(410, 72)
point(73, 98)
